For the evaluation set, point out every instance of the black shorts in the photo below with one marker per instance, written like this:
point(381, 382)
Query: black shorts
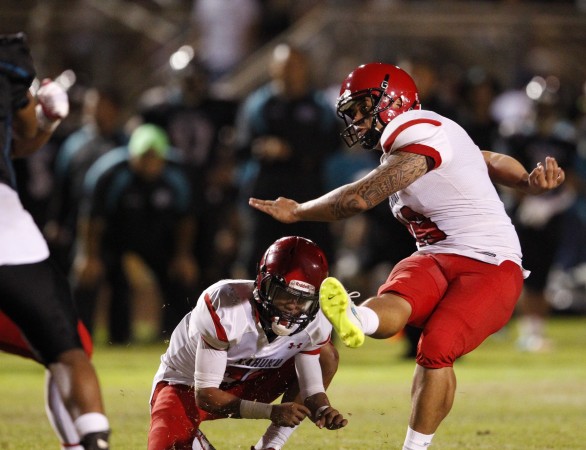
point(37, 298)
point(539, 247)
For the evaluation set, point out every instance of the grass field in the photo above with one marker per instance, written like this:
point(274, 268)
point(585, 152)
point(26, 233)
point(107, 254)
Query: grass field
point(505, 399)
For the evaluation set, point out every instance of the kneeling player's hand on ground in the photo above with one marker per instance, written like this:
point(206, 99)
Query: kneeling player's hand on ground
point(289, 414)
point(330, 418)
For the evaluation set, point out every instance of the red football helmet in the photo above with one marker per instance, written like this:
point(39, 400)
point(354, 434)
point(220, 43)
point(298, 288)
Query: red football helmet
point(383, 83)
point(292, 266)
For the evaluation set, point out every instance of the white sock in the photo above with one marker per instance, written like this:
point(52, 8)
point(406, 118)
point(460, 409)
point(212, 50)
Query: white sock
point(275, 437)
point(416, 441)
point(58, 415)
point(91, 423)
point(368, 318)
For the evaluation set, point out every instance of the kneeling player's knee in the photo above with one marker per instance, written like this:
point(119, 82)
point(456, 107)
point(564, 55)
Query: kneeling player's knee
point(438, 349)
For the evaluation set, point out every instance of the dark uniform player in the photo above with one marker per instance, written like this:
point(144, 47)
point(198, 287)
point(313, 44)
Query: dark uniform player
point(42, 310)
point(285, 131)
point(140, 202)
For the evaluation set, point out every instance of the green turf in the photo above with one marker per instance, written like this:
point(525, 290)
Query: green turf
point(505, 399)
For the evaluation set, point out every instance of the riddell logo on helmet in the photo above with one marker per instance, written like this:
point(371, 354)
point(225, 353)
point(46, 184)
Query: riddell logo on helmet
point(302, 286)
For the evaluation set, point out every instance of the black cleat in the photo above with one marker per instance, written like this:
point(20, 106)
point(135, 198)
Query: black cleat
point(96, 441)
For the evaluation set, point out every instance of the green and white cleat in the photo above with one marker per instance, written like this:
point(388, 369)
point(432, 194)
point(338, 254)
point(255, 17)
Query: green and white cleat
point(340, 310)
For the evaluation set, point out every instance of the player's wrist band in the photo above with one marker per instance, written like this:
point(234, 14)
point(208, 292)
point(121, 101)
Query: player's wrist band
point(255, 410)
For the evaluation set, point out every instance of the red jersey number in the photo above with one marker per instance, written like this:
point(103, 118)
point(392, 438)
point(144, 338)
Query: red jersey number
point(422, 228)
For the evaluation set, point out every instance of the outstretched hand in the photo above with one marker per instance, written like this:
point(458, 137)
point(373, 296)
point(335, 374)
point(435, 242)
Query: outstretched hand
point(282, 209)
point(545, 178)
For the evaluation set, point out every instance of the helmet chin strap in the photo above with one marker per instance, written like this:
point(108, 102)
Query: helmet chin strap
point(369, 139)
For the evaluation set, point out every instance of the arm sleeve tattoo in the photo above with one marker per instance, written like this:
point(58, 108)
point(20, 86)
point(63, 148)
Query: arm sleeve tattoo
point(396, 173)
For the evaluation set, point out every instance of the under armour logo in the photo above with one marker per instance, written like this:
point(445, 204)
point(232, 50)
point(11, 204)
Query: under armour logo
point(291, 345)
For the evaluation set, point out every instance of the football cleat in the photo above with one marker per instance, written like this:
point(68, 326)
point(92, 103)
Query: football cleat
point(96, 441)
point(340, 310)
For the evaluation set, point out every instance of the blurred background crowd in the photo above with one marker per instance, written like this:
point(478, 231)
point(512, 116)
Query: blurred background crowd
point(236, 98)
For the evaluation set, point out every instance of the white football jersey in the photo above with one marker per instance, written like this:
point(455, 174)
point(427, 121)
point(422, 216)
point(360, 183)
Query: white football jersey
point(21, 241)
point(224, 318)
point(454, 208)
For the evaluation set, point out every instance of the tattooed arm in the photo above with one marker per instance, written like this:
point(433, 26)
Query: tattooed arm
point(396, 173)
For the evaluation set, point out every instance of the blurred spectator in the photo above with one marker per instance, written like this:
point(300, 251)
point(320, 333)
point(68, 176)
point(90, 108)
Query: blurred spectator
point(435, 93)
point(285, 132)
point(201, 129)
point(227, 32)
point(539, 219)
point(138, 202)
point(101, 132)
point(567, 284)
point(475, 113)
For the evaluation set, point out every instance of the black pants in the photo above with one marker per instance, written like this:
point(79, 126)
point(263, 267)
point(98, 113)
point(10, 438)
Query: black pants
point(178, 299)
point(38, 300)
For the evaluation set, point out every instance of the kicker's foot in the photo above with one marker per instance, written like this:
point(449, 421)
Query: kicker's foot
point(340, 311)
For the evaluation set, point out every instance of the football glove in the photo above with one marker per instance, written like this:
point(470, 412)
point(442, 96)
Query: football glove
point(52, 105)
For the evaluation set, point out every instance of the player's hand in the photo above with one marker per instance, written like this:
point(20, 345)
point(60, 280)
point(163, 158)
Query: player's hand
point(289, 414)
point(53, 100)
point(330, 418)
point(52, 105)
point(545, 177)
point(281, 209)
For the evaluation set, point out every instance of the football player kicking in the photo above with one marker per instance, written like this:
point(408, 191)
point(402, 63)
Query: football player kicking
point(464, 281)
point(246, 343)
